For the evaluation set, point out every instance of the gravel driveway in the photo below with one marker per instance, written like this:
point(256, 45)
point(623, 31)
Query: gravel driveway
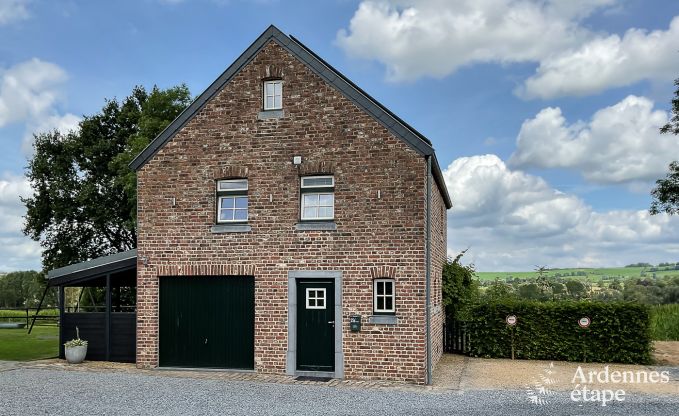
point(30, 391)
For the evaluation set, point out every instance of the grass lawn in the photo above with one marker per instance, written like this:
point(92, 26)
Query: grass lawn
point(17, 345)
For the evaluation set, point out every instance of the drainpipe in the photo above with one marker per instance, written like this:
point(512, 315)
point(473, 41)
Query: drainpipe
point(427, 256)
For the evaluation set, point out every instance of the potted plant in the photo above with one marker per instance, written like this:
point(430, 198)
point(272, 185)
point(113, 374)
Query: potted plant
point(76, 349)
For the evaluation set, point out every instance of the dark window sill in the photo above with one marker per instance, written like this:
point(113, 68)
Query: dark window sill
point(230, 228)
point(383, 319)
point(316, 226)
point(270, 114)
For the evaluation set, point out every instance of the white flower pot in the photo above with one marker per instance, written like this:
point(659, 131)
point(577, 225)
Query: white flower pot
point(76, 355)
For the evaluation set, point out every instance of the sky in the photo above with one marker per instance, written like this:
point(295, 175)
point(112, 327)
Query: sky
point(544, 113)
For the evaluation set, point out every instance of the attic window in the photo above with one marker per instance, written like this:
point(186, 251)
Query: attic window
point(273, 95)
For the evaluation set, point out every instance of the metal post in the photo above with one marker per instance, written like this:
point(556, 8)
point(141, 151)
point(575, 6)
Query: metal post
point(37, 311)
point(108, 317)
point(61, 321)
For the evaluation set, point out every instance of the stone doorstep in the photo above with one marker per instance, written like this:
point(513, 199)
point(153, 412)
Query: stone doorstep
point(105, 366)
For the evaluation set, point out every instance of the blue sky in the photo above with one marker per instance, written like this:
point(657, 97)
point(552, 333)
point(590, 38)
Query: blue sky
point(544, 113)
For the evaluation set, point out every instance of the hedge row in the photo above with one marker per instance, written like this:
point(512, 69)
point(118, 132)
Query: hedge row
point(619, 331)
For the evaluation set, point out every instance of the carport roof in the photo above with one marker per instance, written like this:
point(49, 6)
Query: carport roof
point(94, 268)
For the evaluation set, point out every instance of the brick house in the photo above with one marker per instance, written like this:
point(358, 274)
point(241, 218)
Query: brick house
point(289, 223)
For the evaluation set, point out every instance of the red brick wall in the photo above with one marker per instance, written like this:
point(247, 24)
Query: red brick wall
point(439, 224)
point(331, 134)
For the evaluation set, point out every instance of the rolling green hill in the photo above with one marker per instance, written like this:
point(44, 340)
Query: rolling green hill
point(610, 273)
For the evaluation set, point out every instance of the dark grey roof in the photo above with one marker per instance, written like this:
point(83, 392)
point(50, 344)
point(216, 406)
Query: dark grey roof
point(93, 268)
point(383, 115)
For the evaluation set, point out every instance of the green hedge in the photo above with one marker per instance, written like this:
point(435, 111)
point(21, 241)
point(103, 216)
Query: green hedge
point(619, 331)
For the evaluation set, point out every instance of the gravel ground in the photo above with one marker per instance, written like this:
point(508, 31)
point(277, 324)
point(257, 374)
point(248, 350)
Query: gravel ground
point(26, 391)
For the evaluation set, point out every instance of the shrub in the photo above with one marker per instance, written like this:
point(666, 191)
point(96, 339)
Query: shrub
point(619, 331)
point(665, 322)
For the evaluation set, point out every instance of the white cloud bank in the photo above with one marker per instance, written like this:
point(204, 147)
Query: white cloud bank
point(606, 62)
point(513, 221)
point(620, 144)
point(30, 94)
point(419, 38)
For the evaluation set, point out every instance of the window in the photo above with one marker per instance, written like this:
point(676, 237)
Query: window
point(273, 95)
point(232, 200)
point(384, 300)
point(318, 198)
point(315, 298)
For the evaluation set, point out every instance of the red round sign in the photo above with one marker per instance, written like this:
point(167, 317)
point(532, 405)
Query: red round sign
point(584, 322)
point(511, 320)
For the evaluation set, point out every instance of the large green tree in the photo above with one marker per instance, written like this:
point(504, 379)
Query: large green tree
point(84, 200)
point(666, 192)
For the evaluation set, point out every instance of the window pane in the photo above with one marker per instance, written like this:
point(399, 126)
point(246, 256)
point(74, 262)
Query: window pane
point(312, 301)
point(310, 213)
point(325, 212)
point(389, 288)
point(226, 215)
point(380, 288)
point(310, 200)
point(320, 302)
point(278, 101)
point(227, 202)
point(380, 303)
point(278, 89)
point(242, 202)
point(269, 102)
point(326, 200)
point(240, 215)
point(311, 181)
point(268, 89)
point(233, 184)
point(389, 303)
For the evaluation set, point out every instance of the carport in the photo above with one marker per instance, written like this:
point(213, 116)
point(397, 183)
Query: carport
point(104, 309)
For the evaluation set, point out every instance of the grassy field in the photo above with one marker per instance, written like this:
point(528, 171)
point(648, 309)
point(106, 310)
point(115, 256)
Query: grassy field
point(17, 345)
point(665, 322)
point(584, 273)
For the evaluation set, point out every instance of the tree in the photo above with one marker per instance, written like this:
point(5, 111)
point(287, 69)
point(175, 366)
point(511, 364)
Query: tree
point(458, 285)
point(24, 289)
point(666, 192)
point(84, 195)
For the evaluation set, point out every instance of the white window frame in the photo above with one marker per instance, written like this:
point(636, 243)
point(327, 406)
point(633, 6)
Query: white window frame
point(220, 209)
point(385, 296)
point(316, 298)
point(332, 185)
point(236, 192)
point(274, 83)
point(317, 191)
point(242, 188)
point(318, 195)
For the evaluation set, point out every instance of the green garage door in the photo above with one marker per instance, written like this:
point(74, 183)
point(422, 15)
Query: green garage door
point(207, 321)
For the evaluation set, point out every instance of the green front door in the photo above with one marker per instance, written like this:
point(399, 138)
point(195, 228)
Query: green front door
point(316, 325)
point(207, 321)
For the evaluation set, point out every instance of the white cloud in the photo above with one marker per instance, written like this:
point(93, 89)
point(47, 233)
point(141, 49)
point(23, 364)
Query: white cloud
point(29, 90)
point(513, 221)
point(420, 38)
point(30, 93)
point(620, 144)
point(606, 62)
point(11, 208)
point(13, 10)
point(17, 252)
point(416, 38)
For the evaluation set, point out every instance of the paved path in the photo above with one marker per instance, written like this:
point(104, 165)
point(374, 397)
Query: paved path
point(56, 391)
